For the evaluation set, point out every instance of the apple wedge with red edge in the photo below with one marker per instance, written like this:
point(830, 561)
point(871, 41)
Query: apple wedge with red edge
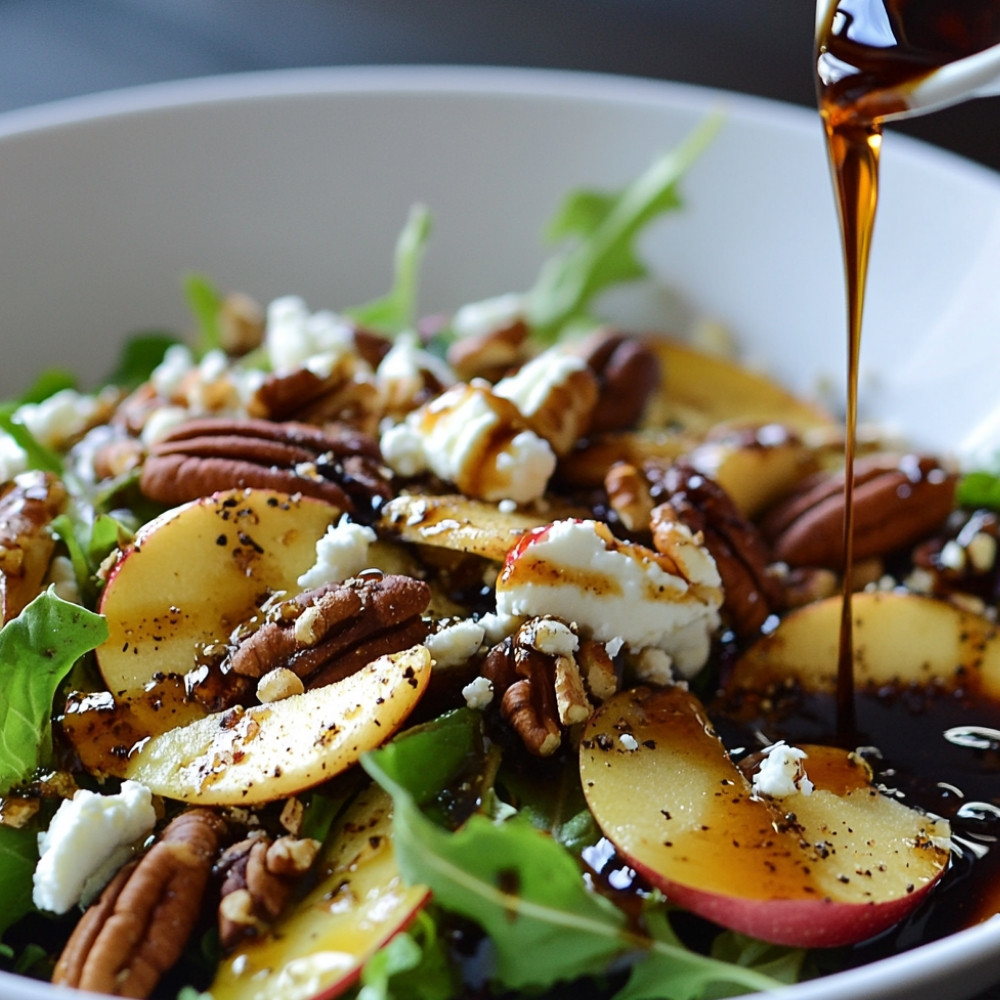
point(260, 754)
point(317, 949)
point(829, 868)
point(195, 572)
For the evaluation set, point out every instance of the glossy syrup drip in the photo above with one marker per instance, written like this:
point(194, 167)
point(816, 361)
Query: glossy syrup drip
point(869, 52)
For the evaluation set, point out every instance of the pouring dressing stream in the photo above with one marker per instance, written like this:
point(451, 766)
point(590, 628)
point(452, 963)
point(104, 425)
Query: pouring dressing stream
point(880, 60)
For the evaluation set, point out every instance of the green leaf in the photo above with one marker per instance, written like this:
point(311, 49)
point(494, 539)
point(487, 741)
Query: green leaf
point(205, 302)
point(412, 966)
point(978, 489)
point(138, 358)
point(396, 311)
point(606, 227)
point(39, 457)
point(37, 650)
point(18, 857)
point(777, 961)
point(661, 976)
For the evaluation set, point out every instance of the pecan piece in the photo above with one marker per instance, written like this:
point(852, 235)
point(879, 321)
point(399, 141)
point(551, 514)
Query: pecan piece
point(330, 632)
point(898, 500)
point(311, 398)
point(205, 455)
point(628, 373)
point(139, 926)
point(258, 877)
point(543, 687)
point(750, 591)
point(28, 504)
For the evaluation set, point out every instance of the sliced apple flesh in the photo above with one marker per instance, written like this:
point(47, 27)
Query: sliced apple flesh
point(195, 572)
point(899, 638)
point(268, 752)
point(359, 903)
point(830, 868)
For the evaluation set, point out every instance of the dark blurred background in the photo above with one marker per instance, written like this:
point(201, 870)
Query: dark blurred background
point(50, 49)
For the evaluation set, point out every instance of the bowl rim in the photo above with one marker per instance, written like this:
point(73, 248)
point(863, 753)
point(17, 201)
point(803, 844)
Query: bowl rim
point(971, 948)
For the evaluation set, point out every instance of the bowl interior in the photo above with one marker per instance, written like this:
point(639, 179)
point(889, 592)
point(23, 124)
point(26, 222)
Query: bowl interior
point(299, 182)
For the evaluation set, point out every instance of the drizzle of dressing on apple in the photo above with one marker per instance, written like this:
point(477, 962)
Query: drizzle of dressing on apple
point(831, 868)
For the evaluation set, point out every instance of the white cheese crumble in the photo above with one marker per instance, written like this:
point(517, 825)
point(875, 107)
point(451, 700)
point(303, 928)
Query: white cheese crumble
point(456, 643)
point(478, 693)
point(89, 839)
point(472, 438)
point(577, 571)
point(780, 772)
point(628, 742)
point(296, 338)
point(479, 318)
point(341, 552)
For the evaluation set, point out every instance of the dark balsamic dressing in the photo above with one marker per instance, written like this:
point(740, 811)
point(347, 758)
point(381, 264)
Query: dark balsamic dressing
point(939, 749)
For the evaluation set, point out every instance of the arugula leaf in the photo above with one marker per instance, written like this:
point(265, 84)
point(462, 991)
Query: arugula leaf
point(18, 857)
point(396, 311)
point(205, 302)
point(88, 544)
point(37, 650)
point(139, 356)
point(979, 489)
point(606, 227)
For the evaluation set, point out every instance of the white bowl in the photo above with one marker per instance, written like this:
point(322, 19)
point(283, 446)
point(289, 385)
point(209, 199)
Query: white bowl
point(299, 182)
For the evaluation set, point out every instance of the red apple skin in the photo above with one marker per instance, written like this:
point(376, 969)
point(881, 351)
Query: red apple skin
point(847, 864)
point(317, 950)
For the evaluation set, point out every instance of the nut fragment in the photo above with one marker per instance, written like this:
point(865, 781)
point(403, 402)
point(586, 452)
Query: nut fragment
point(544, 688)
point(898, 500)
point(140, 924)
point(332, 631)
point(750, 591)
point(206, 455)
point(258, 876)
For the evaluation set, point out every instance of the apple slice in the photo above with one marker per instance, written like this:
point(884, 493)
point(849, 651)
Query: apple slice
point(825, 869)
point(268, 752)
point(700, 391)
point(458, 523)
point(195, 572)
point(317, 950)
point(898, 638)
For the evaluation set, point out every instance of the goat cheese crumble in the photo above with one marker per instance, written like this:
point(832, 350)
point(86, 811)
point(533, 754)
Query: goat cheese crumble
point(613, 591)
point(89, 839)
point(780, 772)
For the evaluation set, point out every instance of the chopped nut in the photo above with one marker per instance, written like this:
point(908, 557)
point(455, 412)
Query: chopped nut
point(628, 493)
point(278, 684)
point(258, 876)
point(571, 696)
point(241, 324)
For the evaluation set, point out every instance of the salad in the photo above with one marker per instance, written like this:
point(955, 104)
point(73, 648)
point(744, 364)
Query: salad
point(495, 653)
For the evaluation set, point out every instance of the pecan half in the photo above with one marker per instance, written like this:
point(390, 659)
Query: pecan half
point(28, 504)
point(898, 500)
point(750, 591)
point(206, 455)
point(139, 926)
point(258, 875)
point(628, 373)
point(332, 631)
